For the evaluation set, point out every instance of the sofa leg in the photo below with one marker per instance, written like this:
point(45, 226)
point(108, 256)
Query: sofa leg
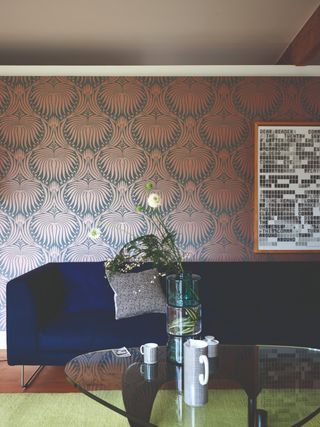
point(33, 376)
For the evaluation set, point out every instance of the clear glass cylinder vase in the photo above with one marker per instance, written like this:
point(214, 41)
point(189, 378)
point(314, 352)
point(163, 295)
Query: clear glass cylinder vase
point(175, 347)
point(184, 320)
point(183, 289)
point(183, 312)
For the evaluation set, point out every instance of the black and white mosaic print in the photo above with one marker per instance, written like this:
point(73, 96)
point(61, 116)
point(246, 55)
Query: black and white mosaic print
point(289, 188)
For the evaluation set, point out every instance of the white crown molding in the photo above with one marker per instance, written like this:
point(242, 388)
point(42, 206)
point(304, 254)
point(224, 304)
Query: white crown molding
point(160, 70)
point(3, 340)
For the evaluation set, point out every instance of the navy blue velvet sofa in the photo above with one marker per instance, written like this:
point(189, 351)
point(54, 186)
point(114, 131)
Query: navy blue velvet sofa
point(60, 310)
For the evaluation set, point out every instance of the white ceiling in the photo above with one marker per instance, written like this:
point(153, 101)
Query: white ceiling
point(149, 32)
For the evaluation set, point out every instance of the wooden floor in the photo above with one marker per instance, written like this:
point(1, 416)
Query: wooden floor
point(50, 380)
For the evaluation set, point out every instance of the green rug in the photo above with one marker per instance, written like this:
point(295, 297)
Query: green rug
point(227, 409)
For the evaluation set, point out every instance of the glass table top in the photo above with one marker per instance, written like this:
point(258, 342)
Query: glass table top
point(248, 386)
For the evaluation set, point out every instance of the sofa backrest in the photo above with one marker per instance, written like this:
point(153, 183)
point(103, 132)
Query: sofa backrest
point(261, 302)
point(245, 303)
point(85, 287)
point(46, 290)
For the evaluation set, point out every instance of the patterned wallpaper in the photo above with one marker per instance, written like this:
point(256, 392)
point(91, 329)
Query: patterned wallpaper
point(77, 152)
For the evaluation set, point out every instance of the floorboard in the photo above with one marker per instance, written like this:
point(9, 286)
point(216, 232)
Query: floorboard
point(50, 380)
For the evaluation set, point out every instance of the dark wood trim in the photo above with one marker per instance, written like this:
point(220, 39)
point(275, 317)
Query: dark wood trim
point(256, 187)
point(255, 195)
point(306, 45)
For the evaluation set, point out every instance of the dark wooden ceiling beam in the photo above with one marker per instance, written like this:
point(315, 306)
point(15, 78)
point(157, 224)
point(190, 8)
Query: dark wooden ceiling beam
point(306, 45)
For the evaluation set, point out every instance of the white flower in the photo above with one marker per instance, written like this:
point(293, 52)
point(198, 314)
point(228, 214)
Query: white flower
point(94, 233)
point(154, 200)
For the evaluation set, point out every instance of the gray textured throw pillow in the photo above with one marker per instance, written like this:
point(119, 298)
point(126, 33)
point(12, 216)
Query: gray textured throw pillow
point(137, 293)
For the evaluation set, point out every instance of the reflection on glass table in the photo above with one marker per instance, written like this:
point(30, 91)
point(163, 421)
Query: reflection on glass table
point(248, 386)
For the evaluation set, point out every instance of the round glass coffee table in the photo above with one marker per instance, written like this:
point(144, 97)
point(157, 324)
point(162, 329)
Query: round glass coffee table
point(248, 386)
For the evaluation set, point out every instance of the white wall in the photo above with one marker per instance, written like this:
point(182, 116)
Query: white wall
point(159, 70)
point(3, 341)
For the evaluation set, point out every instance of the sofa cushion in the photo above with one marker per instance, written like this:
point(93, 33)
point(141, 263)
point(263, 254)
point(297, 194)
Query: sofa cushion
point(85, 287)
point(96, 330)
point(137, 293)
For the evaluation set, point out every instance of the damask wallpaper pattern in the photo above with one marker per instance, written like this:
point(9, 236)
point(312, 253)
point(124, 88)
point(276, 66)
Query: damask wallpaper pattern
point(76, 152)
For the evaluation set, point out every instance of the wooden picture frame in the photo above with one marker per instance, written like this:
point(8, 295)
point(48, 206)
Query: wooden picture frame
point(287, 187)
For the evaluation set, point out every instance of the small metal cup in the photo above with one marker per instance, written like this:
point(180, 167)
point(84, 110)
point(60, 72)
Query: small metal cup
point(212, 346)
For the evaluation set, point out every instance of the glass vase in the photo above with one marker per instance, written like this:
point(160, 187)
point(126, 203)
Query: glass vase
point(184, 320)
point(183, 312)
point(183, 289)
point(175, 347)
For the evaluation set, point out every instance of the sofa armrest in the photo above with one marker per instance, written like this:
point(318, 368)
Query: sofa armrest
point(21, 321)
point(32, 300)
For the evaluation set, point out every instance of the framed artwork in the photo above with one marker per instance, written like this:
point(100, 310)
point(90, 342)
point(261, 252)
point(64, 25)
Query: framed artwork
point(287, 187)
